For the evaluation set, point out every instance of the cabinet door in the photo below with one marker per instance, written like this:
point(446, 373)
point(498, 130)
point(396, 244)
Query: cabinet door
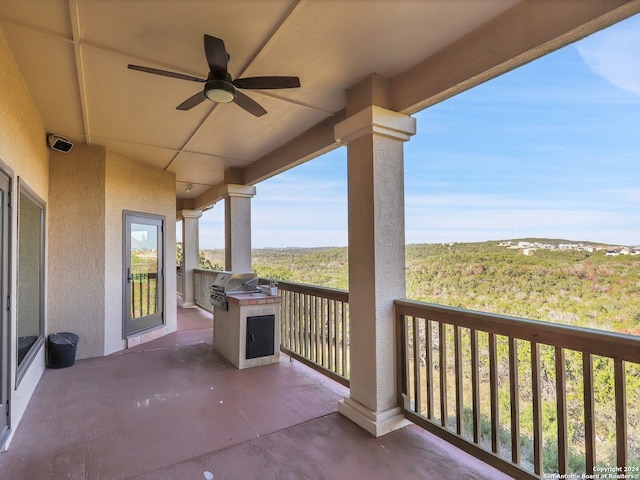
point(260, 336)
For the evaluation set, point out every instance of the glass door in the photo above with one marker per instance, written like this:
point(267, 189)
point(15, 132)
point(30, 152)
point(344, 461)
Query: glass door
point(5, 189)
point(143, 272)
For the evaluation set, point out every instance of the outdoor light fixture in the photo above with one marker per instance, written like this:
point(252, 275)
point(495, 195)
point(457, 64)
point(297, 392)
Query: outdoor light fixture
point(220, 91)
point(188, 188)
point(59, 143)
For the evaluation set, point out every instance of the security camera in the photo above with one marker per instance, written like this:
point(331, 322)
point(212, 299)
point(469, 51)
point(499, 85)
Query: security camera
point(59, 143)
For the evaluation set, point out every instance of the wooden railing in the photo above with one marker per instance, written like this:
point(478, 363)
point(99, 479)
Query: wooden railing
point(461, 372)
point(203, 279)
point(179, 281)
point(314, 327)
point(143, 294)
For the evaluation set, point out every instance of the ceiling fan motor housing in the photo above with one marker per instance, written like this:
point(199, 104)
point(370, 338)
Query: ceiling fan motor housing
point(220, 91)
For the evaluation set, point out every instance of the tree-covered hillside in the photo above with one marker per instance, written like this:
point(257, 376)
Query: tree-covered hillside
point(566, 286)
point(582, 288)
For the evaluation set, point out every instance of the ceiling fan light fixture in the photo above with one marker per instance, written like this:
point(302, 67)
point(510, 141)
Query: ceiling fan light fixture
point(220, 91)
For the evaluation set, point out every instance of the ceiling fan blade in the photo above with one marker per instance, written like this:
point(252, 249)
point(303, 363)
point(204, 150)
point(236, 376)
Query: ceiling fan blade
point(264, 83)
point(192, 101)
point(216, 56)
point(249, 104)
point(165, 73)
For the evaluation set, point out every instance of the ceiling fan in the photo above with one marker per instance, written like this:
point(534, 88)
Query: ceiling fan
point(219, 86)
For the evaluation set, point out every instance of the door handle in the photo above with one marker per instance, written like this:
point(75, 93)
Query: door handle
point(129, 277)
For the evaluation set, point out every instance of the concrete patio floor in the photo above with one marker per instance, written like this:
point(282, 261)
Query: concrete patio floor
point(174, 408)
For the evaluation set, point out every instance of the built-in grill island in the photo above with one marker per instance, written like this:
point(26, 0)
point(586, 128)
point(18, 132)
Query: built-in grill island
point(246, 322)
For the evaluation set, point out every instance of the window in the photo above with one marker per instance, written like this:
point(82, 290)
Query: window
point(31, 215)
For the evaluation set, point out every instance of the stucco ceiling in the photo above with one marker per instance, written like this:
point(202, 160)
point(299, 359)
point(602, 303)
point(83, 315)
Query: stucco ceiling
point(73, 55)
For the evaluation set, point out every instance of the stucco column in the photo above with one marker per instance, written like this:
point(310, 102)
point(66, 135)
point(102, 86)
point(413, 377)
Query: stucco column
point(190, 254)
point(374, 138)
point(237, 222)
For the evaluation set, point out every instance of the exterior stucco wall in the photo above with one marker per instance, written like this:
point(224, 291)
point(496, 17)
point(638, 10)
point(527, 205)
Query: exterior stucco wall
point(133, 186)
point(90, 188)
point(76, 241)
point(23, 149)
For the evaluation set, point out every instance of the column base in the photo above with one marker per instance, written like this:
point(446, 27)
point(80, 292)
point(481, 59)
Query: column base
point(376, 423)
point(188, 305)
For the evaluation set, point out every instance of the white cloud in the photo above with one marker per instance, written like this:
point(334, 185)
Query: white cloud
point(614, 54)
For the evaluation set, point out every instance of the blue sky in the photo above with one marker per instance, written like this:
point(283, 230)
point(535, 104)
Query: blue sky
point(551, 149)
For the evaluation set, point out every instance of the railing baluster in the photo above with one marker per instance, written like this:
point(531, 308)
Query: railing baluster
point(339, 338)
point(444, 411)
point(290, 325)
point(323, 332)
point(148, 293)
point(331, 315)
point(459, 384)
point(405, 384)
point(416, 365)
point(295, 322)
point(475, 385)
point(621, 414)
point(493, 393)
point(561, 403)
point(319, 331)
point(309, 313)
point(284, 319)
point(318, 326)
point(133, 295)
point(140, 294)
point(589, 412)
point(291, 320)
point(302, 324)
point(345, 339)
point(515, 400)
point(428, 361)
point(307, 326)
point(536, 393)
point(312, 353)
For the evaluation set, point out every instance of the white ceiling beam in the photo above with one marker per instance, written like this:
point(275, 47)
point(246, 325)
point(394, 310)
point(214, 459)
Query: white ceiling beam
point(82, 85)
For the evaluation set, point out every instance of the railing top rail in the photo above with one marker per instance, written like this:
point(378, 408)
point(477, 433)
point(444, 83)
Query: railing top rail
point(204, 270)
point(596, 342)
point(316, 290)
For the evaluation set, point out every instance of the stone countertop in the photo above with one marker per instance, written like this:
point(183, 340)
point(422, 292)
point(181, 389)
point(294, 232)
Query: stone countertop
point(252, 298)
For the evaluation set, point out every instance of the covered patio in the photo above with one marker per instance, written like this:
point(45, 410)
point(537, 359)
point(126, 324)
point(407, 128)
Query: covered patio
point(174, 408)
point(86, 231)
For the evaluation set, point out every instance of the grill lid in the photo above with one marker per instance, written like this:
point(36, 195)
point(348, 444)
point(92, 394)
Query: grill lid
point(228, 282)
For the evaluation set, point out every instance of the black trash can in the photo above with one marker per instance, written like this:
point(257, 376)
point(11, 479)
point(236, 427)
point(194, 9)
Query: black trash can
point(61, 349)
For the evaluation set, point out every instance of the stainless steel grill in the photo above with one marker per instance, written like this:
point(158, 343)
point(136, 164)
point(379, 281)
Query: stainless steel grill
point(228, 282)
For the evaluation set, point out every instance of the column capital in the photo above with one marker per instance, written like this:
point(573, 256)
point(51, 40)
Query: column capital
point(234, 190)
point(375, 120)
point(191, 214)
